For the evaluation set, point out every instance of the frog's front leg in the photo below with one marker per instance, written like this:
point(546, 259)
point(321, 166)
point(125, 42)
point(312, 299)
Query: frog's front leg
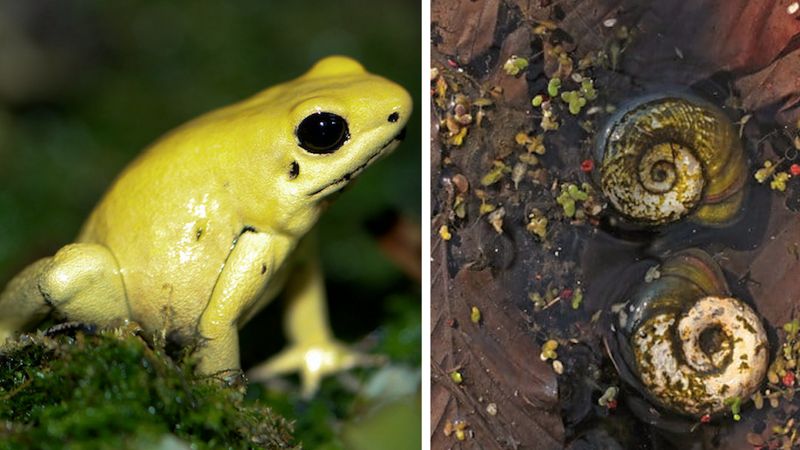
point(81, 282)
point(247, 271)
point(312, 350)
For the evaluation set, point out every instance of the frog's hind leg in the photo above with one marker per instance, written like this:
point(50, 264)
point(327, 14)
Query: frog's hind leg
point(313, 350)
point(81, 283)
point(21, 303)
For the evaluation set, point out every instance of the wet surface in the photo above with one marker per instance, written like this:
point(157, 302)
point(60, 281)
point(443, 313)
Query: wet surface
point(488, 191)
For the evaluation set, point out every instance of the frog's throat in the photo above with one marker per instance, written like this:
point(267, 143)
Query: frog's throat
point(393, 142)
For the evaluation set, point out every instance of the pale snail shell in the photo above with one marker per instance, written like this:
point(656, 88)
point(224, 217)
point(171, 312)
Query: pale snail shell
point(691, 344)
point(663, 157)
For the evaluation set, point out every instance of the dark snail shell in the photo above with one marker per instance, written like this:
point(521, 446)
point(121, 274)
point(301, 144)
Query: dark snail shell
point(687, 342)
point(664, 157)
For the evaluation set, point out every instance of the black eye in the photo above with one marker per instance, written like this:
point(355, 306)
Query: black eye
point(322, 133)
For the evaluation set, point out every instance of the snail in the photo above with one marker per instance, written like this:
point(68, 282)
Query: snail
point(685, 342)
point(665, 157)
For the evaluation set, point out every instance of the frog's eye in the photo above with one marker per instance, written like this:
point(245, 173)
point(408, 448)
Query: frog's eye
point(322, 133)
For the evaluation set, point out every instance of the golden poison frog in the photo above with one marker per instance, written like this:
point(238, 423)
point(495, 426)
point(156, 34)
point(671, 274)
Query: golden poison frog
point(210, 223)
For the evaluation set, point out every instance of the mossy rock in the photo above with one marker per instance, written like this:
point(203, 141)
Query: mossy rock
point(113, 390)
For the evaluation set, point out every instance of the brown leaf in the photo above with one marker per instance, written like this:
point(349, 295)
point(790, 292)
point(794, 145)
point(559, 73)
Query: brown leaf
point(400, 239)
point(464, 29)
point(735, 35)
point(499, 361)
point(779, 83)
point(771, 269)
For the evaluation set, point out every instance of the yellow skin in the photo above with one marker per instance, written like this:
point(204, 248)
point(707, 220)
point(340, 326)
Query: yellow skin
point(207, 226)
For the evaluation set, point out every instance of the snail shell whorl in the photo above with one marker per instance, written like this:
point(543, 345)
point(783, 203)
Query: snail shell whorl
point(665, 157)
point(689, 377)
point(693, 345)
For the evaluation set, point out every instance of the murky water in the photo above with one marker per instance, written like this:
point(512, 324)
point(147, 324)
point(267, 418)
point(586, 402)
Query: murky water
point(601, 255)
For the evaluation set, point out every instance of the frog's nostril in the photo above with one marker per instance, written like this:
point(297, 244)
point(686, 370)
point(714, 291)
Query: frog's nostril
point(394, 117)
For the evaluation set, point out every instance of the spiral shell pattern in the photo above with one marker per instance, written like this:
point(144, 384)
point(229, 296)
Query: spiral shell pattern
point(694, 346)
point(666, 157)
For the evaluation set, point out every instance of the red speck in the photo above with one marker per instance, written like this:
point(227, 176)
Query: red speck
point(788, 379)
point(587, 165)
point(706, 418)
point(452, 63)
point(795, 169)
point(566, 294)
point(611, 404)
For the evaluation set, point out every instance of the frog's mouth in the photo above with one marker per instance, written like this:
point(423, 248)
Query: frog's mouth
point(392, 143)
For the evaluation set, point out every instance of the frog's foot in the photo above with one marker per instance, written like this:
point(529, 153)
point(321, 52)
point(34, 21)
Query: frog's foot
point(313, 361)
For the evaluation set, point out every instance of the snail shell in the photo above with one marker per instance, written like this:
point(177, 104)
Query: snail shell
point(691, 344)
point(665, 157)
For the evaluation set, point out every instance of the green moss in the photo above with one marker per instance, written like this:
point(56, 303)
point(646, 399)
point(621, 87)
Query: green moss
point(100, 391)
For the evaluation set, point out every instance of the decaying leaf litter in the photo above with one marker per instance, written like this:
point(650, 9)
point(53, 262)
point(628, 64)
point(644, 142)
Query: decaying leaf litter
point(519, 228)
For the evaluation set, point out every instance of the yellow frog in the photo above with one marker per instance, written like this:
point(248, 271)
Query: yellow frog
point(207, 225)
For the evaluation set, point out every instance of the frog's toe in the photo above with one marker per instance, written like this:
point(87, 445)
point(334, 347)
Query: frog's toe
point(313, 362)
